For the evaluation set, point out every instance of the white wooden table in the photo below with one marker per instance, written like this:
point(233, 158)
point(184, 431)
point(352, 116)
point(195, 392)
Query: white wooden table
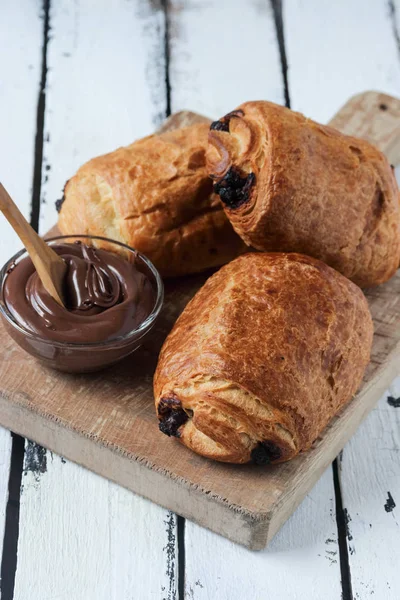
point(78, 79)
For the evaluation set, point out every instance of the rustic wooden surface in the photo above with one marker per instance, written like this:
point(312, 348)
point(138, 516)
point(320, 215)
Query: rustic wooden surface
point(106, 421)
point(334, 50)
point(19, 77)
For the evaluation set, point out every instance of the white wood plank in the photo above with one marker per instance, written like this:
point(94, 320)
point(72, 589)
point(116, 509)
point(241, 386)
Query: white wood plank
point(336, 50)
point(301, 562)
point(5, 453)
point(82, 537)
point(105, 85)
point(19, 81)
point(20, 61)
point(223, 52)
point(237, 59)
point(370, 480)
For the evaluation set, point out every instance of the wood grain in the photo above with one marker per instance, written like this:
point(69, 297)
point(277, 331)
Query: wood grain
point(5, 453)
point(372, 499)
point(105, 86)
point(106, 422)
point(19, 85)
point(300, 563)
point(126, 538)
point(222, 53)
point(383, 130)
point(19, 81)
point(336, 50)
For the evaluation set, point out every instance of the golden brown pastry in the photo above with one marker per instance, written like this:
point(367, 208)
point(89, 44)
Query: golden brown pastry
point(261, 359)
point(155, 196)
point(290, 184)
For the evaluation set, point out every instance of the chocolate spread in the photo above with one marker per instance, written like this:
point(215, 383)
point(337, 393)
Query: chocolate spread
point(105, 297)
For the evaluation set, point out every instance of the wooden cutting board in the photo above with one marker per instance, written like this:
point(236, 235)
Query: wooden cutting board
point(106, 422)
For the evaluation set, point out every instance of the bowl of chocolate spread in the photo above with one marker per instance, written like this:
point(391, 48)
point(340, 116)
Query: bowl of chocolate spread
point(112, 295)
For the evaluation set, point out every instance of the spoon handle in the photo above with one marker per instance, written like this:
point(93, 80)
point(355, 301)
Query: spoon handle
point(50, 266)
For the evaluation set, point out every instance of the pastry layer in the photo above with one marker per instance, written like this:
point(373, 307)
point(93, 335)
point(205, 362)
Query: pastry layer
point(261, 359)
point(155, 196)
point(289, 184)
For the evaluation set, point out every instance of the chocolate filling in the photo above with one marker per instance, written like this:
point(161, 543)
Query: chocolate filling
point(106, 297)
point(265, 453)
point(223, 124)
point(171, 415)
point(60, 201)
point(220, 125)
point(234, 189)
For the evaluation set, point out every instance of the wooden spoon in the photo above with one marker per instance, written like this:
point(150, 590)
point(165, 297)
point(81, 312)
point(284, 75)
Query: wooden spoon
point(50, 267)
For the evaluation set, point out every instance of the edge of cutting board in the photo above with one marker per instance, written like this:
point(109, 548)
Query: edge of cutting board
point(253, 529)
point(288, 483)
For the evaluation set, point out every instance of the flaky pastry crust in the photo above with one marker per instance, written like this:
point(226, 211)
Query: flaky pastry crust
point(290, 184)
point(262, 358)
point(155, 196)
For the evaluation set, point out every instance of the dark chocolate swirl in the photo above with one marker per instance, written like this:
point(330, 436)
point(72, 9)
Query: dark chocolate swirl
point(105, 295)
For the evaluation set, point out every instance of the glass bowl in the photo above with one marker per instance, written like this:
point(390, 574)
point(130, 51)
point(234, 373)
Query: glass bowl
point(78, 357)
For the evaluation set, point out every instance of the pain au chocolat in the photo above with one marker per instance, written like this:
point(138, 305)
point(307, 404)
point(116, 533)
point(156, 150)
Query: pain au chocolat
point(261, 359)
point(290, 184)
point(155, 196)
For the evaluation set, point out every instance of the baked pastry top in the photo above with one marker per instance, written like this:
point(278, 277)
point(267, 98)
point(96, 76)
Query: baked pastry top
point(155, 196)
point(290, 184)
point(265, 354)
